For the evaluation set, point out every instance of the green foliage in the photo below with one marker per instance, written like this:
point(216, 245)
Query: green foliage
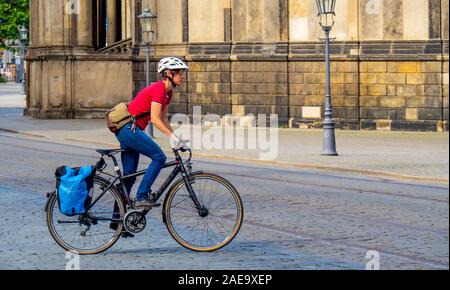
point(2, 80)
point(13, 13)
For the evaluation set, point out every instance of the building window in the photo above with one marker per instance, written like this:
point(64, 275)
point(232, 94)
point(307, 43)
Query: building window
point(107, 31)
point(99, 18)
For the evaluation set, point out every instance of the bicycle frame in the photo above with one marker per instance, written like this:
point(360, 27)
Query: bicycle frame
point(128, 217)
point(179, 168)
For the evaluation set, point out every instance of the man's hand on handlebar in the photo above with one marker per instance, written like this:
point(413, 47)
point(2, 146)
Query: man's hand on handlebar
point(179, 144)
point(182, 145)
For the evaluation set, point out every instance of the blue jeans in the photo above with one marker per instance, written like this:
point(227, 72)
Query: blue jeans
point(137, 143)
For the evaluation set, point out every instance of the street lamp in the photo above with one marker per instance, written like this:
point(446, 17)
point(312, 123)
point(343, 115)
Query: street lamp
point(326, 14)
point(147, 21)
point(23, 32)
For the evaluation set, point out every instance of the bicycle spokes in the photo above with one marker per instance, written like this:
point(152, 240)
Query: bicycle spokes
point(214, 223)
point(93, 231)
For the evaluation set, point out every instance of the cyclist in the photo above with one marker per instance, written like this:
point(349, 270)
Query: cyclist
point(154, 99)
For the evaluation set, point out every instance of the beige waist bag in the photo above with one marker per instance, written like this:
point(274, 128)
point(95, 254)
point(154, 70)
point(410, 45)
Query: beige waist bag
point(118, 117)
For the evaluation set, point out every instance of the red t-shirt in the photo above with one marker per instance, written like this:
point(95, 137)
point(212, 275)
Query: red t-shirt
point(143, 102)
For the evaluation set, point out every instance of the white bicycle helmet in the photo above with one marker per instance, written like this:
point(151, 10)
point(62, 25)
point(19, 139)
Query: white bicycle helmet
point(171, 63)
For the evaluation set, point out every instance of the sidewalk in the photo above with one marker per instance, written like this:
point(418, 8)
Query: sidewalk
point(12, 95)
point(398, 155)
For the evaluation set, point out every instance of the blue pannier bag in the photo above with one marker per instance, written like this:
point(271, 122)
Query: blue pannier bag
point(73, 186)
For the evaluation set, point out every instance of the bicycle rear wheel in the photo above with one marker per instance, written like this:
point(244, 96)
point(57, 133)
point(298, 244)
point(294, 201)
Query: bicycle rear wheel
point(90, 233)
point(208, 230)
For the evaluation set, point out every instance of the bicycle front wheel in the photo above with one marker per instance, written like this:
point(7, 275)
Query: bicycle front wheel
point(210, 229)
point(93, 232)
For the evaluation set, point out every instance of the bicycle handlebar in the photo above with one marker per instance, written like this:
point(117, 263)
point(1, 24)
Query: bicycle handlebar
point(176, 150)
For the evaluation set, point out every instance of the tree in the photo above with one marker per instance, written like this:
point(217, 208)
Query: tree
point(13, 14)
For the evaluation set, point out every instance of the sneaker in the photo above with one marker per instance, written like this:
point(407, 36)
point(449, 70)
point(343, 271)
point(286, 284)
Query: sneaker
point(146, 203)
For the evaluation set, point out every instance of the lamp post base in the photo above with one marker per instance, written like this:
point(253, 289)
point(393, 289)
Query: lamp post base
point(329, 140)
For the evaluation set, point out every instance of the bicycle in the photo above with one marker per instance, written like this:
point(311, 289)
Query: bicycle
point(203, 212)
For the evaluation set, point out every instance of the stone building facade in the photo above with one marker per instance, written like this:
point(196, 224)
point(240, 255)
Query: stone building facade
point(389, 59)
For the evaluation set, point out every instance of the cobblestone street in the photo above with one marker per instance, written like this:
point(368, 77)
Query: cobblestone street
point(294, 219)
point(256, 136)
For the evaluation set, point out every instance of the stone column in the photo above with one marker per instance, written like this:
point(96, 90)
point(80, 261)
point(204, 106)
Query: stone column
point(85, 23)
point(444, 19)
point(124, 18)
point(34, 26)
point(112, 22)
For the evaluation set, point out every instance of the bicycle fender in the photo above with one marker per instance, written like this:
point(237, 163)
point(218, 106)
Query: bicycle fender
point(49, 196)
point(197, 172)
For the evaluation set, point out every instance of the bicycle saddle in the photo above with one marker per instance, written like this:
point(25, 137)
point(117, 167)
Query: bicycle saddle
point(110, 151)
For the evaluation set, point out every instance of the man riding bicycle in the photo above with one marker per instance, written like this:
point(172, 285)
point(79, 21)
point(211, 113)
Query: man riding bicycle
point(212, 200)
point(155, 99)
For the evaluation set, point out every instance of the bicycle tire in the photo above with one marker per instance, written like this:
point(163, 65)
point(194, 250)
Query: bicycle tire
point(169, 218)
point(52, 210)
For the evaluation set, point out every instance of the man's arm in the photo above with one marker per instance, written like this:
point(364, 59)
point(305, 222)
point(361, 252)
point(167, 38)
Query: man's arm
point(161, 121)
point(165, 118)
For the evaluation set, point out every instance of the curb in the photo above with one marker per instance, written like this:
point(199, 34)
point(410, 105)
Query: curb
point(373, 173)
